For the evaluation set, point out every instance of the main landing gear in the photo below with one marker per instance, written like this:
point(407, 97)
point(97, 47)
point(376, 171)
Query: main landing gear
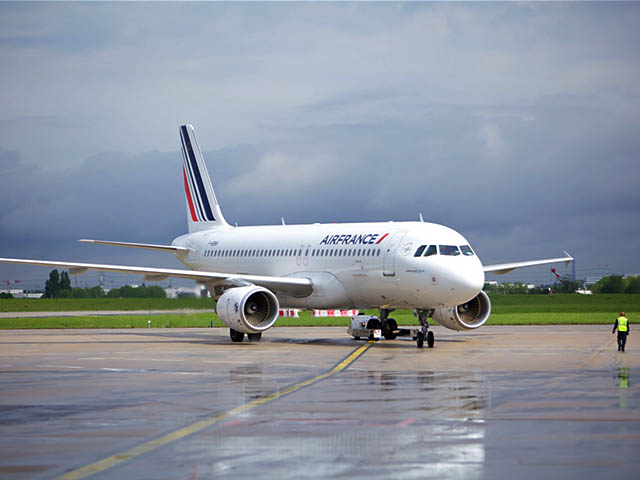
point(372, 327)
point(388, 325)
point(424, 332)
point(239, 336)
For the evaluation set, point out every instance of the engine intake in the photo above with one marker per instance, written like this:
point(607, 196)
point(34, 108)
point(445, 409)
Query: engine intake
point(467, 316)
point(249, 309)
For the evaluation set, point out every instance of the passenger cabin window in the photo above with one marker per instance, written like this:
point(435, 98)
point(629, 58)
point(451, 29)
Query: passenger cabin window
point(419, 251)
point(431, 250)
point(450, 250)
point(466, 250)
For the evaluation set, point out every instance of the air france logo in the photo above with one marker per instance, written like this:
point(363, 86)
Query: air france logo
point(363, 239)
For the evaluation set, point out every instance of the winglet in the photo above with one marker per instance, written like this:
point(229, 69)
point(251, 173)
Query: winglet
point(569, 259)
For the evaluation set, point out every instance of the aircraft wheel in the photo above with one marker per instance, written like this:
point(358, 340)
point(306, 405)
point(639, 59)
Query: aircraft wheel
point(430, 339)
point(254, 337)
point(374, 324)
point(420, 340)
point(235, 335)
point(389, 332)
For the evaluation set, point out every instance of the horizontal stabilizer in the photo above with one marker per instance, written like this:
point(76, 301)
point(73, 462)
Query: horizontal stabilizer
point(147, 246)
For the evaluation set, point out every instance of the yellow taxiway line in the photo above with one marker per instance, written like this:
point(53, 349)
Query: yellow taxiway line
point(118, 458)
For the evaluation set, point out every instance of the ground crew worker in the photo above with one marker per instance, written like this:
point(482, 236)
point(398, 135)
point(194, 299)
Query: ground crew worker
point(622, 326)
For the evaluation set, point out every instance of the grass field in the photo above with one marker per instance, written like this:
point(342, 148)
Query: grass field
point(81, 304)
point(506, 310)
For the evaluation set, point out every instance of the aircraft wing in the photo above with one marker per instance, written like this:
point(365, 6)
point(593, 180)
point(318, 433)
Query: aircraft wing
point(295, 286)
point(502, 268)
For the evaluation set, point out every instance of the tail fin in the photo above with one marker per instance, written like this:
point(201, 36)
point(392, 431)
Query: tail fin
point(203, 210)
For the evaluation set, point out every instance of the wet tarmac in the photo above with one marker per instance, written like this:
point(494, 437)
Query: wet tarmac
point(103, 313)
point(553, 402)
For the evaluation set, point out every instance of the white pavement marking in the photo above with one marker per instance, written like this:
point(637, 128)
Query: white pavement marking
point(130, 370)
point(227, 361)
point(293, 365)
point(58, 366)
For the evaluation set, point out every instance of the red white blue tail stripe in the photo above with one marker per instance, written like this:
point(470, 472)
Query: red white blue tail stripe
point(202, 207)
point(199, 204)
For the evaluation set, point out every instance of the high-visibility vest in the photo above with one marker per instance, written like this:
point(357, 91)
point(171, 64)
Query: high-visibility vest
point(623, 324)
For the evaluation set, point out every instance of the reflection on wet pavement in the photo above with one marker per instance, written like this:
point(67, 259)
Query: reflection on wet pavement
point(623, 384)
point(395, 413)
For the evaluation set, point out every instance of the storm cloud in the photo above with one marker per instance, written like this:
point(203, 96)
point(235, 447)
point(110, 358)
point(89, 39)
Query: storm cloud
point(515, 124)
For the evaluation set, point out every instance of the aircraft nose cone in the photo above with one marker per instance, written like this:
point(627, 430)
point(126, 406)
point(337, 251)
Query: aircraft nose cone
point(467, 283)
point(474, 280)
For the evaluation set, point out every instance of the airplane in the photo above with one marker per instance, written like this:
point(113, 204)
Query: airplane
point(253, 271)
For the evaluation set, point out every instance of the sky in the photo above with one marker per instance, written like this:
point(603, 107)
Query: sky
point(516, 124)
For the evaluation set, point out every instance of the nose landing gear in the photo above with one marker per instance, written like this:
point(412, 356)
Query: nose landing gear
point(424, 333)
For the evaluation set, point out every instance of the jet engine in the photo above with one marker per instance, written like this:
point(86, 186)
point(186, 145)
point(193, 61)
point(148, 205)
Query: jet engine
point(467, 316)
point(249, 309)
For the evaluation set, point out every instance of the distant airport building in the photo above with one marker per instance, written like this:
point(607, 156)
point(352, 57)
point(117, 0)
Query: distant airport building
point(19, 293)
point(180, 292)
point(13, 291)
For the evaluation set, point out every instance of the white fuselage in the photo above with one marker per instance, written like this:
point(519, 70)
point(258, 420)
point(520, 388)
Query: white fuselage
point(356, 265)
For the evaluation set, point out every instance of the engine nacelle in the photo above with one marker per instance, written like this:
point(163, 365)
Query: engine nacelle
point(249, 309)
point(467, 316)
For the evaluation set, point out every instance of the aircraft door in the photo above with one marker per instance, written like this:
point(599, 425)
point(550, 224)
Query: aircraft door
point(305, 258)
point(299, 254)
point(388, 261)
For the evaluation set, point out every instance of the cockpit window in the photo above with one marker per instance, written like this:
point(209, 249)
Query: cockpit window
point(419, 251)
point(451, 250)
point(466, 250)
point(431, 251)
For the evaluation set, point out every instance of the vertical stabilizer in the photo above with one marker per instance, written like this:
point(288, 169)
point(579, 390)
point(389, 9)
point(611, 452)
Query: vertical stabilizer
point(203, 210)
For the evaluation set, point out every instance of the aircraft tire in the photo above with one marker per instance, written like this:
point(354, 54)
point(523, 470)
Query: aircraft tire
point(235, 335)
point(374, 324)
point(254, 337)
point(420, 340)
point(389, 332)
point(430, 339)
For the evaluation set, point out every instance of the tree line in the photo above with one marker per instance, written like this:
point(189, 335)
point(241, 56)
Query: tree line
point(617, 284)
point(610, 284)
point(59, 286)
